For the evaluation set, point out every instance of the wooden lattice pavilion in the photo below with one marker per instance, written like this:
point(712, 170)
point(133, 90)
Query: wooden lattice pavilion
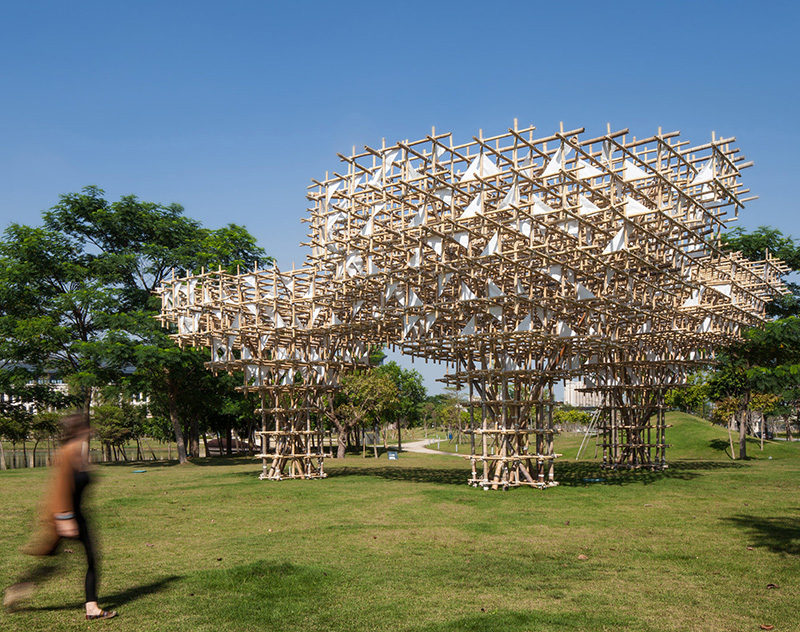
point(518, 261)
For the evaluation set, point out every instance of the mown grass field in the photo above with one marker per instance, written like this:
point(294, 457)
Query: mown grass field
point(407, 546)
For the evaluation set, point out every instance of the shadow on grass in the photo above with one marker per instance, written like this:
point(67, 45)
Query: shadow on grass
point(118, 599)
point(567, 473)
point(447, 476)
point(525, 621)
point(583, 474)
point(780, 534)
point(203, 461)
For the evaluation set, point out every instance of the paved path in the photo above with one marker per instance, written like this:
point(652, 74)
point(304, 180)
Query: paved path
point(420, 446)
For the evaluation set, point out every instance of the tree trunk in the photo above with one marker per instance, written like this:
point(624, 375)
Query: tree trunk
point(24, 453)
point(763, 429)
point(176, 426)
point(786, 419)
point(375, 440)
point(194, 438)
point(743, 435)
point(229, 440)
point(399, 437)
point(341, 448)
point(3, 465)
point(33, 456)
point(730, 436)
point(205, 443)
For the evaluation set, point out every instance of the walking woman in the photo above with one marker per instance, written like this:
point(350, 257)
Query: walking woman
point(62, 517)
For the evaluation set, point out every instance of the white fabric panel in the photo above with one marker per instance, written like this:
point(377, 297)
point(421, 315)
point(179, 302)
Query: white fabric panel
point(445, 195)
point(512, 197)
point(525, 227)
point(695, 298)
point(354, 264)
point(585, 170)
point(466, 293)
point(413, 299)
point(556, 163)
point(372, 269)
point(540, 207)
point(263, 341)
point(419, 218)
point(357, 307)
point(521, 291)
point(235, 322)
point(314, 315)
point(706, 173)
point(493, 290)
point(634, 208)
point(462, 238)
point(492, 246)
point(442, 282)
point(724, 289)
point(409, 324)
point(369, 227)
point(571, 227)
point(429, 320)
point(416, 258)
point(564, 330)
point(469, 174)
point(706, 324)
point(587, 206)
point(497, 312)
point(481, 165)
point(607, 152)
point(524, 324)
point(332, 220)
point(412, 174)
point(646, 327)
point(390, 158)
point(390, 290)
point(330, 190)
point(473, 208)
point(335, 320)
point(435, 243)
point(310, 291)
point(469, 328)
point(631, 171)
point(583, 292)
point(555, 273)
point(279, 324)
point(618, 242)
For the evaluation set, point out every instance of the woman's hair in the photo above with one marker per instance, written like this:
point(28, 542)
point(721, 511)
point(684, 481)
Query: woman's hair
point(73, 425)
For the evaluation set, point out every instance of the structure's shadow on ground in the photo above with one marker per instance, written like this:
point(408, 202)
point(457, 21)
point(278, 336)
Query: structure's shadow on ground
point(583, 473)
point(119, 599)
point(567, 473)
point(204, 461)
point(448, 476)
point(780, 534)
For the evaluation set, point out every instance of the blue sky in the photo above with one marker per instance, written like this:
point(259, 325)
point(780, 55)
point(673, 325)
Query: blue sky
point(231, 108)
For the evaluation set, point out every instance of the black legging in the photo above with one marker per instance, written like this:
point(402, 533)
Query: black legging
point(90, 583)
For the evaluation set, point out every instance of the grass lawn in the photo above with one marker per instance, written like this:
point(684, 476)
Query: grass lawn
point(408, 546)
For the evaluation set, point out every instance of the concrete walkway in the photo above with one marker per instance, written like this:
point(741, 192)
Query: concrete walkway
point(421, 447)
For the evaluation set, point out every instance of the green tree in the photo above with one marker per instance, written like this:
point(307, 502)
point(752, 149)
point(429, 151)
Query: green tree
point(134, 245)
point(44, 427)
point(54, 305)
point(410, 393)
point(366, 397)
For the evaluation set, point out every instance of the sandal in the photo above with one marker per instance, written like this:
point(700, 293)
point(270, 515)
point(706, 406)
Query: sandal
point(104, 614)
